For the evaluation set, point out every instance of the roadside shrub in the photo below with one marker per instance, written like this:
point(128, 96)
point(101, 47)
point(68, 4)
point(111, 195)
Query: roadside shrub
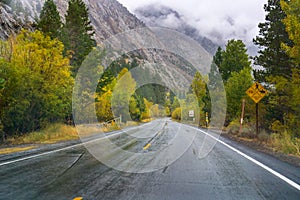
point(234, 128)
point(248, 132)
point(263, 136)
point(285, 143)
point(176, 114)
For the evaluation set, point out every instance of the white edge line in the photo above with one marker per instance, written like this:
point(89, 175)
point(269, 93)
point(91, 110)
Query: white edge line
point(277, 174)
point(69, 147)
point(282, 177)
point(58, 150)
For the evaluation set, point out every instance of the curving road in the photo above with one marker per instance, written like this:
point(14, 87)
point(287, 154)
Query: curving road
point(226, 171)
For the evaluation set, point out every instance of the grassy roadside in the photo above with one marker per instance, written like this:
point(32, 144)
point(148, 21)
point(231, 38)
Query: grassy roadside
point(9, 150)
point(277, 142)
point(52, 134)
point(55, 133)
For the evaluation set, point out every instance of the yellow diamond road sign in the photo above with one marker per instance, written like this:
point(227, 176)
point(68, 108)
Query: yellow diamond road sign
point(256, 92)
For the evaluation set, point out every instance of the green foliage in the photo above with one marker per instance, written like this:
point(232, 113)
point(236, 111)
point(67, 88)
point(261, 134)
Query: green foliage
point(50, 22)
point(218, 59)
point(234, 59)
point(200, 89)
point(199, 86)
point(77, 33)
point(136, 107)
point(6, 1)
point(153, 92)
point(122, 92)
point(175, 104)
point(286, 100)
point(236, 88)
point(103, 107)
point(285, 143)
point(272, 34)
point(214, 77)
point(232, 67)
point(146, 113)
point(292, 23)
point(38, 84)
point(83, 104)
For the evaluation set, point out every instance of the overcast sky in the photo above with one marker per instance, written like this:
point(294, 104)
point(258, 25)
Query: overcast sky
point(210, 17)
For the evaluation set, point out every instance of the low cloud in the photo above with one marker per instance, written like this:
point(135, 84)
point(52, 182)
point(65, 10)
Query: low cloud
point(215, 19)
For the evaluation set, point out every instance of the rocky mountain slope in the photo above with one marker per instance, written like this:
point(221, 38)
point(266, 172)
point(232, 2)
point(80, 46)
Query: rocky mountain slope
point(12, 20)
point(162, 16)
point(108, 18)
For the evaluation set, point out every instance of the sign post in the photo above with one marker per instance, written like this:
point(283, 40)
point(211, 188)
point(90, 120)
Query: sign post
point(256, 92)
point(206, 119)
point(242, 116)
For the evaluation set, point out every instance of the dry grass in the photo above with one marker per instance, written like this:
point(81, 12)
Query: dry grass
point(278, 142)
point(15, 149)
point(52, 134)
point(58, 132)
point(285, 143)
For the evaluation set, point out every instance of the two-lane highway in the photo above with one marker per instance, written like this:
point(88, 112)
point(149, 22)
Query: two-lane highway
point(228, 171)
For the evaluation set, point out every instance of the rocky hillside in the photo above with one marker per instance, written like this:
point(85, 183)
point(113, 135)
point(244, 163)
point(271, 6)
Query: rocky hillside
point(162, 16)
point(12, 20)
point(108, 18)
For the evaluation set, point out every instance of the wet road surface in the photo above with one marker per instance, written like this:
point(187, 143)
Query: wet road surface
point(224, 173)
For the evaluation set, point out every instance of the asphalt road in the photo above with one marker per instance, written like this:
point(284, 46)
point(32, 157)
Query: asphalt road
point(226, 171)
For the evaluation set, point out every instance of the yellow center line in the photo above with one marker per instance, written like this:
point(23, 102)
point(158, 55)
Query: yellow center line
point(147, 146)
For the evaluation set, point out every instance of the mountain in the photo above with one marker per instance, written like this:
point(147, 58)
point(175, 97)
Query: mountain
point(12, 20)
point(109, 18)
point(161, 16)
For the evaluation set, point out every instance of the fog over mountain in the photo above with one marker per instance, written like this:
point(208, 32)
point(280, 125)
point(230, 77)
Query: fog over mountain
point(162, 16)
point(218, 21)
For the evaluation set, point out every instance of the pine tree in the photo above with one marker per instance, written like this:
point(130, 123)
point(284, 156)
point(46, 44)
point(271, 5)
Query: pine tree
point(217, 59)
point(215, 80)
point(271, 36)
point(78, 33)
point(234, 59)
point(50, 22)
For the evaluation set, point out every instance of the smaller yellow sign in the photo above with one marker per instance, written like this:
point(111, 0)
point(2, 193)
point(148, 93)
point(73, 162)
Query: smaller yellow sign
point(256, 92)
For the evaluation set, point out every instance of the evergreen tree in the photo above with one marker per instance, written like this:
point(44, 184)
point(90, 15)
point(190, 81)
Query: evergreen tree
point(233, 59)
point(271, 36)
point(236, 88)
point(78, 33)
point(6, 1)
point(50, 22)
point(217, 59)
point(214, 77)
